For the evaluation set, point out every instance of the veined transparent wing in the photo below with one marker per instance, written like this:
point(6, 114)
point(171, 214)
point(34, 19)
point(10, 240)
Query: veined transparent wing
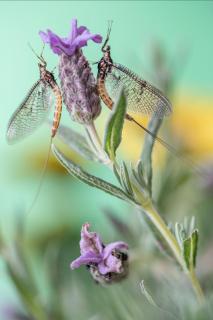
point(142, 97)
point(32, 112)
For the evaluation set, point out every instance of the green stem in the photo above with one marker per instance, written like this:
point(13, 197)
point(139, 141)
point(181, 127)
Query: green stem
point(196, 285)
point(152, 214)
point(159, 223)
point(96, 144)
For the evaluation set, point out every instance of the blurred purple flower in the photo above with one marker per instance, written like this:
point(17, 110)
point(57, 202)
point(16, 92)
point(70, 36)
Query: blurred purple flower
point(108, 259)
point(76, 39)
point(10, 312)
point(78, 84)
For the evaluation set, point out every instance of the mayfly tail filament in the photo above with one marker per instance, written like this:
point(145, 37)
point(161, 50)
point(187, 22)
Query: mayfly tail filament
point(41, 181)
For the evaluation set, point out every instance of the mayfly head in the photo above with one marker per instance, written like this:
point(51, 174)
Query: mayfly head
point(107, 48)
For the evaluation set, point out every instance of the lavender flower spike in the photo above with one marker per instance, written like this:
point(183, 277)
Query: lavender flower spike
point(78, 84)
point(108, 263)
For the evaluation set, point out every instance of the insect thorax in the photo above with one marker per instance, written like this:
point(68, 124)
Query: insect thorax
point(105, 65)
point(46, 76)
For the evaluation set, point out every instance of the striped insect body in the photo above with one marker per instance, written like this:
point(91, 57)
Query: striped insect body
point(142, 97)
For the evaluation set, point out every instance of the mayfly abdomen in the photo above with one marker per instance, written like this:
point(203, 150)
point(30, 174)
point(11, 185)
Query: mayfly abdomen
point(103, 93)
point(58, 110)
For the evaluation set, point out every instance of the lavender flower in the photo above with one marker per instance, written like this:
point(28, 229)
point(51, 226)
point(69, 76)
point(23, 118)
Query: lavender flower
point(78, 84)
point(106, 263)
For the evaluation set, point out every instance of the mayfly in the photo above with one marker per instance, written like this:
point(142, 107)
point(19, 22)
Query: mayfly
point(142, 97)
point(35, 106)
point(34, 109)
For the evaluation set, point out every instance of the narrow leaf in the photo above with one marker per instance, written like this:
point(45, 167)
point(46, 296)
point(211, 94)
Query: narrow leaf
point(125, 178)
point(114, 127)
point(194, 242)
point(178, 233)
point(147, 294)
point(116, 173)
point(154, 304)
point(76, 142)
point(91, 180)
point(187, 251)
point(190, 246)
point(146, 156)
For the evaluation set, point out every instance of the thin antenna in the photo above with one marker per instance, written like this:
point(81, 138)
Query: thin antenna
point(108, 34)
point(42, 51)
point(110, 22)
point(41, 55)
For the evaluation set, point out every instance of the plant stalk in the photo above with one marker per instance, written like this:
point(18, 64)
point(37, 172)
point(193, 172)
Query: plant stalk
point(159, 223)
point(152, 214)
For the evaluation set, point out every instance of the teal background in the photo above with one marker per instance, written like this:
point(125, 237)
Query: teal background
point(183, 27)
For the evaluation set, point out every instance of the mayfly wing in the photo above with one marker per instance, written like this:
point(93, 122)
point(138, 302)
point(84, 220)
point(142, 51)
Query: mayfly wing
point(32, 112)
point(142, 97)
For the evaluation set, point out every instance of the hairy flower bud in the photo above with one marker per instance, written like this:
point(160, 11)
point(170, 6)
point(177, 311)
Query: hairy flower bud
point(79, 88)
point(78, 84)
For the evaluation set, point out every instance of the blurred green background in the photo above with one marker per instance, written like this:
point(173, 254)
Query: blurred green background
point(145, 36)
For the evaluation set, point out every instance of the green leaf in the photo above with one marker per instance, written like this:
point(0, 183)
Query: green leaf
point(194, 242)
point(115, 170)
point(187, 251)
point(146, 156)
point(190, 246)
point(125, 179)
point(91, 180)
point(76, 142)
point(113, 134)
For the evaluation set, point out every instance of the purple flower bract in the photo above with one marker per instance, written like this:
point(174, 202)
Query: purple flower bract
point(107, 259)
point(77, 39)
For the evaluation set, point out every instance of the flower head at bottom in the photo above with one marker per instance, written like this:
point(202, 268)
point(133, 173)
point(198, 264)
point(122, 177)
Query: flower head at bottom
point(106, 263)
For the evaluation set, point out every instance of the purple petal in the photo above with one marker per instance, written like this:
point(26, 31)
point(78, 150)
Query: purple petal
point(78, 37)
point(97, 38)
point(81, 41)
point(90, 241)
point(80, 30)
point(119, 245)
point(87, 258)
point(44, 36)
point(73, 33)
point(111, 264)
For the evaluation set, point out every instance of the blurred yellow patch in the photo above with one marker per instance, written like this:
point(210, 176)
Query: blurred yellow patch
point(192, 121)
point(191, 125)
